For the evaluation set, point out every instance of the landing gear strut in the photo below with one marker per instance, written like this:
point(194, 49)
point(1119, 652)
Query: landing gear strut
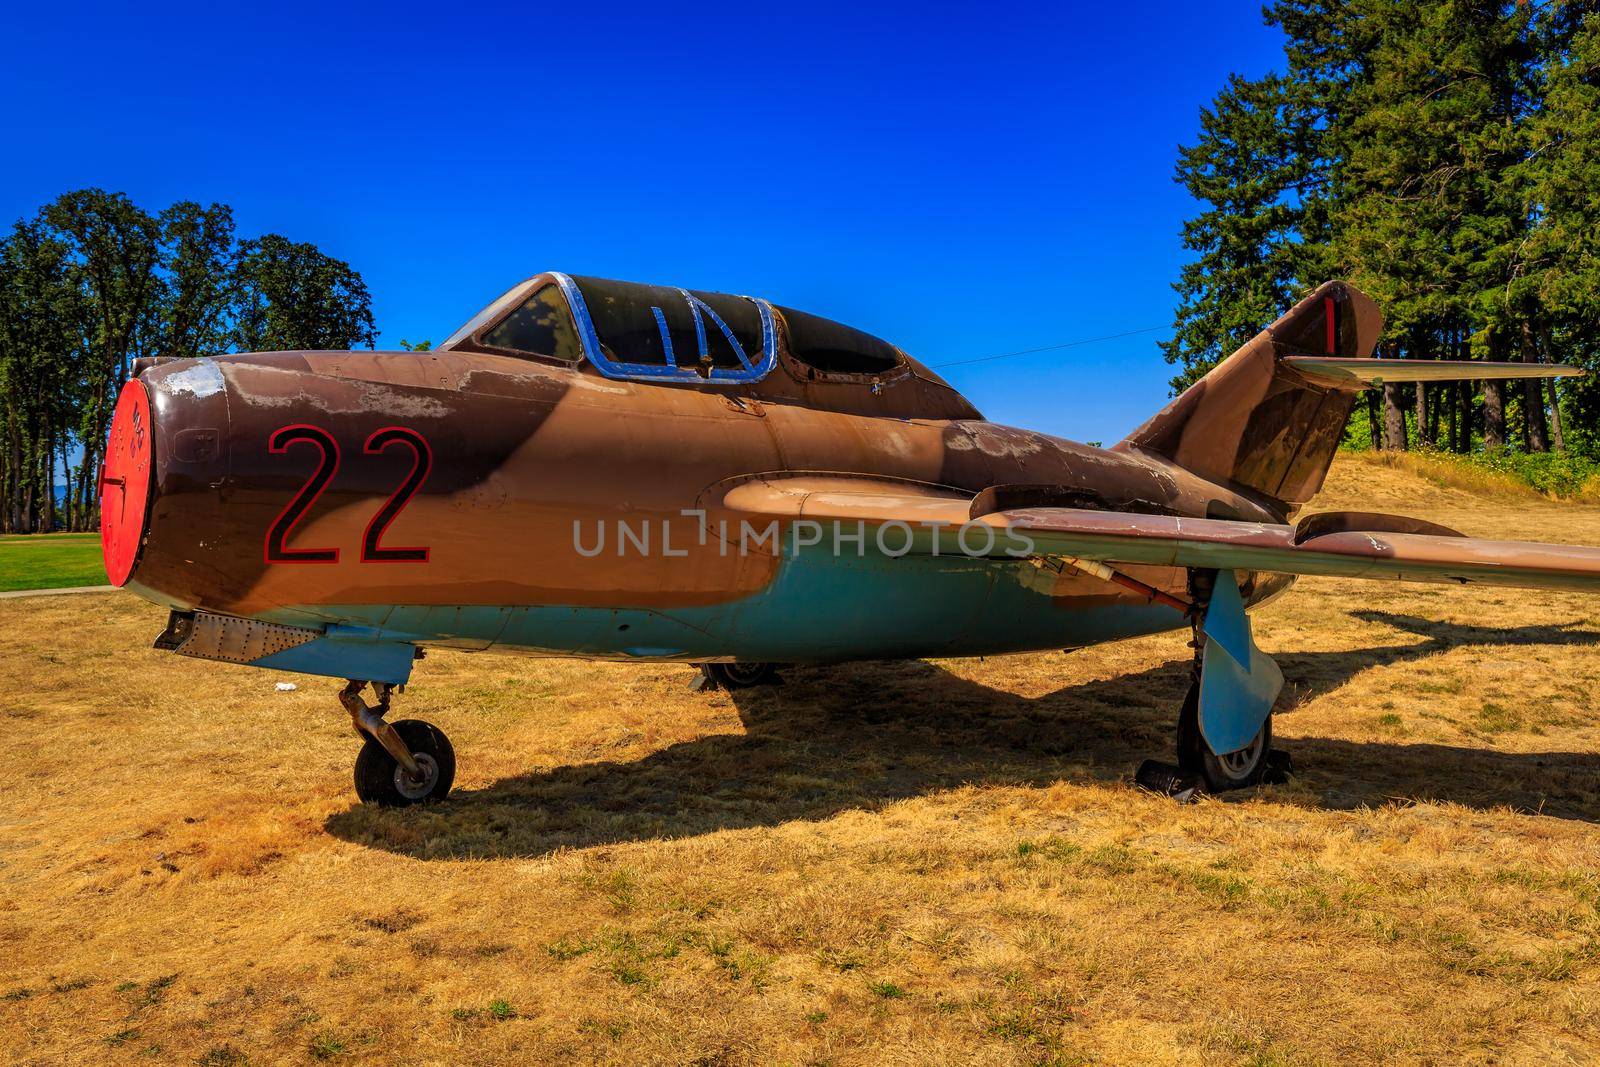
point(401, 763)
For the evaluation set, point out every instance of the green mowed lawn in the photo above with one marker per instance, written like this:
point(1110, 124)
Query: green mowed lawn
point(50, 561)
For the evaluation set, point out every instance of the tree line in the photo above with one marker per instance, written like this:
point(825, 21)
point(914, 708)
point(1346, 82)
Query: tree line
point(1444, 157)
point(91, 282)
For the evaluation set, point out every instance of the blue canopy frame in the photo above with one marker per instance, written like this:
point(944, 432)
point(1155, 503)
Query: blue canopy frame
point(751, 369)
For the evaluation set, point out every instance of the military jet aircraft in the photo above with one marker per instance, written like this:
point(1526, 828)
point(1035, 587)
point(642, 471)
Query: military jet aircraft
point(607, 469)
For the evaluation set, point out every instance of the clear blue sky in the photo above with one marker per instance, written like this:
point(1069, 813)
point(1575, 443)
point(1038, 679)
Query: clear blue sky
point(960, 180)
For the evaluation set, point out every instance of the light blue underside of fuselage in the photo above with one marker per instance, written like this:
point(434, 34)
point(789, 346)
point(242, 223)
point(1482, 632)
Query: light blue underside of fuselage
point(820, 608)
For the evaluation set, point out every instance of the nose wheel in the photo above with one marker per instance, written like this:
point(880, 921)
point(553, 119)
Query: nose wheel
point(383, 780)
point(402, 763)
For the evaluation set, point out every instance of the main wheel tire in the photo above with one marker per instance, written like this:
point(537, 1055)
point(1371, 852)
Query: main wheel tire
point(381, 780)
point(1235, 770)
point(742, 675)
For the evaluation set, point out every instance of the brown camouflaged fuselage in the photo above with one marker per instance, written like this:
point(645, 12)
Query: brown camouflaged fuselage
point(526, 452)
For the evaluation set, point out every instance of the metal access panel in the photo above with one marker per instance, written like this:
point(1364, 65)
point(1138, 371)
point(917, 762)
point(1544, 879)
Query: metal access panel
point(229, 638)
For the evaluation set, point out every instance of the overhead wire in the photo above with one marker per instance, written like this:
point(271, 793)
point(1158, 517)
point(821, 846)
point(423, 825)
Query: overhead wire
point(1048, 348)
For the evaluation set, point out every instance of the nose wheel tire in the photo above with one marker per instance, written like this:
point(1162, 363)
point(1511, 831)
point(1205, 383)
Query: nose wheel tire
point(1232, 770)
point(381, 780)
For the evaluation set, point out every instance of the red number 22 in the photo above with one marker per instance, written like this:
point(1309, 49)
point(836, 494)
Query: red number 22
point(372, 551)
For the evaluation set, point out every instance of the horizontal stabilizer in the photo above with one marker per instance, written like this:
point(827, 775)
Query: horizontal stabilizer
point(1363, 373)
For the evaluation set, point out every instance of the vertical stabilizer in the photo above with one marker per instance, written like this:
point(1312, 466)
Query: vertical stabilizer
point(1256, 424)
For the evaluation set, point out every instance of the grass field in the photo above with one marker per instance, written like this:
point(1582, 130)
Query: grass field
point(907, 863)
point(50, 561)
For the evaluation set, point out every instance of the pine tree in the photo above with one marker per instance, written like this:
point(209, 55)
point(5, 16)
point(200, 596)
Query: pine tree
point(1563, 174)
point(1444, 156)
point(1246, 167)
point(1265, 170)
point(1431, 213)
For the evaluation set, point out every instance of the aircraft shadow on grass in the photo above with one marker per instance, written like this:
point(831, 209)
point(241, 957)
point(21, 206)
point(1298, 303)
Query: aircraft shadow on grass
point(862, 736)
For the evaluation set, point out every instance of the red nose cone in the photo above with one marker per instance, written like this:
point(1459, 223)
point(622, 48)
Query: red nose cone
point(125, 483)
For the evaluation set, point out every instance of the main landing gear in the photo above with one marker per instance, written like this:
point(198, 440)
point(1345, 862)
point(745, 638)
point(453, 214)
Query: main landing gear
point(1235, 770)
point(735, 676)
point(1200, 770)
point(401, 763)
point(1238, 685)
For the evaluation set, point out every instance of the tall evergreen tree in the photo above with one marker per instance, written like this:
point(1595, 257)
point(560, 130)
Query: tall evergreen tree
point(1439, 154)
point(1247, 168)
point(1562, 259)
point(1430, 214)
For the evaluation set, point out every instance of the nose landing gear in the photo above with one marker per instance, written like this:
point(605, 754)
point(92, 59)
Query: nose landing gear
point(402, 763)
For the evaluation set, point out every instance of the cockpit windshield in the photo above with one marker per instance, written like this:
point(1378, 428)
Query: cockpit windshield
point(541, 326)
point(488, 314)
point(627, 331)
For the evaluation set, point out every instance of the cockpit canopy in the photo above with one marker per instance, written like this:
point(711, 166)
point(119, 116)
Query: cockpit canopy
point(834, 348)
point(629, 330)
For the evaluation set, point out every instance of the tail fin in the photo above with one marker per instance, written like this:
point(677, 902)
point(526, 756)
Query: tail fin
point(1258, 424)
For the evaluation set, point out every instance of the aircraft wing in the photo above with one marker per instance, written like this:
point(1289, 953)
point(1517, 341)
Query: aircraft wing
point(1337, 544)
point(1341, 552)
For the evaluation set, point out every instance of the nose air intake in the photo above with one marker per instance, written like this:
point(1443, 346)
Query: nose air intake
point(125, 482)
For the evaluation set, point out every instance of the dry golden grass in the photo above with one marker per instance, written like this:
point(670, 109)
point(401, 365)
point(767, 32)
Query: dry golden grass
point(909, 863)
point(1445, 472)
